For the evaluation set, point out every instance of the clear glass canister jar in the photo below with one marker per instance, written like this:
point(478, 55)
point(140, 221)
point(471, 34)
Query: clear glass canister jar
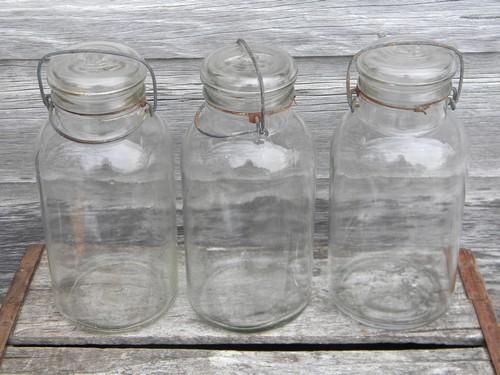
point(105, 171)
point(248, 180)
point(398, 170)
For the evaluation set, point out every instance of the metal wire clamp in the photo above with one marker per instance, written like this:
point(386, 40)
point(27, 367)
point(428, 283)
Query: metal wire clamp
point(261, 121)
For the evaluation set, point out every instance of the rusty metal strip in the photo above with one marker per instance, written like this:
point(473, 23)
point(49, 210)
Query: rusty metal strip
point(17, 291)
point(476, 291)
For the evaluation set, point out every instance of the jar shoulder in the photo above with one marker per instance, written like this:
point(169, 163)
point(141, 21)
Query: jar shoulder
point(150, 144)
point(357, 145)
point(288, 145)
point(287, 124)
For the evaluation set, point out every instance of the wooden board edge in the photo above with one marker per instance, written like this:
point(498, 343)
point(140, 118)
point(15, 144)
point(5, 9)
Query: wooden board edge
point(476, 291)
point(16, 293)
point(91, 360)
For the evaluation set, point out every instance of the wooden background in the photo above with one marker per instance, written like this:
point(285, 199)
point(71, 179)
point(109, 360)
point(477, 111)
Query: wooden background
point(175, 35)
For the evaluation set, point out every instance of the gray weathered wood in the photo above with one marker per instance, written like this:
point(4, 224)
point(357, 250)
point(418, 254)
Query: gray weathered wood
point(320, 100)
point(21, 225)
point(321, 323)
point(194, 28)
point(174, 361)
point(175, 35)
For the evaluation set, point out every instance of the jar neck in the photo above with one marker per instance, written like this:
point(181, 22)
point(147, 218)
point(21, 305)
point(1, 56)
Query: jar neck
point(218, 121)
point(98, 128)
point(399, 94)
point(101, 103)
point(401, 122)
point(249, 101)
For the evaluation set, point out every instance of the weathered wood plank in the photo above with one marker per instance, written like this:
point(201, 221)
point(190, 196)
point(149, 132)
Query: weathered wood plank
point(321, 323)
point(177, 361)
point(193, 28)
point(320, 100)
point(20, 225)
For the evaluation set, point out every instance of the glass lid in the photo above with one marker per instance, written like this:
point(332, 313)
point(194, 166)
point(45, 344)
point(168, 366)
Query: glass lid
point(229, 76)
point(96, 82)
point(407, 64)
point(406, 73)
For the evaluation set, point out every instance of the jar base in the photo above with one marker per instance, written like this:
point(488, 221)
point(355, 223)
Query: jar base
point(250, 295)
point(115, 297)
point(94, 328)
point(389, 294)
point(262, 327)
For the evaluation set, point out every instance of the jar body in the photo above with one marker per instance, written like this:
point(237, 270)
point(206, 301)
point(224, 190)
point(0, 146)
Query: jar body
point(109, 218)
point(396, 199)
point(248, 208)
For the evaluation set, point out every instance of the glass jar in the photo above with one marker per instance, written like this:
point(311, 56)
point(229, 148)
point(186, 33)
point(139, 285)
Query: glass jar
point(248, 192)
point(105, 172)
point(398, 170)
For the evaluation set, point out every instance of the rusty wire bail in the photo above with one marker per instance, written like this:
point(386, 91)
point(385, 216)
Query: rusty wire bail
point(455, 91)
point(46, 98)
point(261, 121)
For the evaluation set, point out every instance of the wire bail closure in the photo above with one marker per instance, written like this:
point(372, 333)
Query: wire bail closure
point(261, 121)
point(455, 91)
point(46, 98)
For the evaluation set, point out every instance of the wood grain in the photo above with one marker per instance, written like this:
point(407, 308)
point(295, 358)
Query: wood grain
point(320, 100)
point(20, 225)
point(48, 361)
point(320, 324)
point(192, 28)
point(174, 35)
